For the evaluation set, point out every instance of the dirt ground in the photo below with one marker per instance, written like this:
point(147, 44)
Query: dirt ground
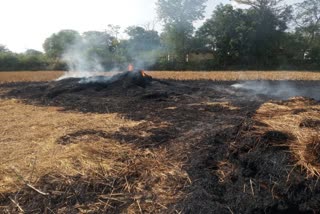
point(175, 146)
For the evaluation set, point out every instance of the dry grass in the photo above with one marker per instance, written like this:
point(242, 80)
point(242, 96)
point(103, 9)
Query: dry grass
point(120, 174)
point(27, 76)
point(34, 130)
point(31, 155)
point(286, 117)
point(241, 75)
point(186, 75)
point(224, 171)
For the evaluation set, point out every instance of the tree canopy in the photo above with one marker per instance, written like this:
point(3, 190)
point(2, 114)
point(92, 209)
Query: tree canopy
point(55, 45)
point(307, 18)
point(178, 17)
point(178, 11)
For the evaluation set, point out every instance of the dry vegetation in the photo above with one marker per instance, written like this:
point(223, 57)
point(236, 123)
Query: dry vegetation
point(186, 75)
point(31, 155)
point(300, 120)
point(239, 75)
point(193, 150)
point(22, 76)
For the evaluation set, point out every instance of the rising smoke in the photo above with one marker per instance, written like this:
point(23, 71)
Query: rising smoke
point(96, 52)
point(80, 61)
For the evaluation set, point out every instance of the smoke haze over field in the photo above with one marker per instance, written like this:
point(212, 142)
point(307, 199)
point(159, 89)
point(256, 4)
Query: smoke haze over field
point(280, 89)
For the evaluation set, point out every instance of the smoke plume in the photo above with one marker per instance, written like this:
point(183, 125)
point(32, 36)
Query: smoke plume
point(281, 89)
point(81, 61)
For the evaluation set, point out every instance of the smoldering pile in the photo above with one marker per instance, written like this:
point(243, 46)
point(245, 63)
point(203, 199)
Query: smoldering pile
point(123, 82)
point(99, 93)
point(128, 84)
point(126, 79)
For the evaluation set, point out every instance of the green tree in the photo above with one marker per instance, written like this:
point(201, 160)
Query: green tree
point(3, 49)
point(58, 43)
point(141, 40)
point(226, 33)
point(32, 60)
point(113, 30)
point(178, 11)
point(178, 17)
point(8, 60)
point(32, 52)
point(269, 20)
point(99, 42)
point(308, 29)
point(142, 46)
point(252, 38)
point(102, 46)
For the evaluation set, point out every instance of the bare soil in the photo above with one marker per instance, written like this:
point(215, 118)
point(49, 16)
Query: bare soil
point(192, 146)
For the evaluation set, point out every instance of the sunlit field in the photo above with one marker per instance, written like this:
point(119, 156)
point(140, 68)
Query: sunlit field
point(185, 75)
point(169, 147)
point(239, 75)
point(29, 76)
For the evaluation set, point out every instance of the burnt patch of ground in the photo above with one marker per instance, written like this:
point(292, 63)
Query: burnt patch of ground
point(313, 151)
point(221, 148)
point(69, 195)
point(248, 176)
point(310, 123)
point(82, 135)
point(276, 136)
point(144, 135)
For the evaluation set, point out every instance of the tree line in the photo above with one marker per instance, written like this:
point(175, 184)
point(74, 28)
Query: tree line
point(264, 34)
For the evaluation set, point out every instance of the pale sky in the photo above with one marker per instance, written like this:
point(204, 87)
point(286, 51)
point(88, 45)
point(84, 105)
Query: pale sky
point(25, 24)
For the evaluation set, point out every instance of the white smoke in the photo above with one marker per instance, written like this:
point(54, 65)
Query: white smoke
point(95, 79)
point(280, 89)
point(80, 61)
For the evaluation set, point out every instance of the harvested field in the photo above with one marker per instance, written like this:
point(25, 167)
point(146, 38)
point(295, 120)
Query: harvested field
point(237, 75)
point(37, 76)
point(29, 76)
point(171, 146)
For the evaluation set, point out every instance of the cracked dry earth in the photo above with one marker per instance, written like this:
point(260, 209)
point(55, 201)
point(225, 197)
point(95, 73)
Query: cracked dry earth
point(172, 147)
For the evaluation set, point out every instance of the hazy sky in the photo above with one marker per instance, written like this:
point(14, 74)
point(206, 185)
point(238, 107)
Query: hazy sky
point(25, 24)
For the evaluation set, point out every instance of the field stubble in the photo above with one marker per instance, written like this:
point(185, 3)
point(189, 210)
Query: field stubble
point(175, 75)
point(184, 147)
